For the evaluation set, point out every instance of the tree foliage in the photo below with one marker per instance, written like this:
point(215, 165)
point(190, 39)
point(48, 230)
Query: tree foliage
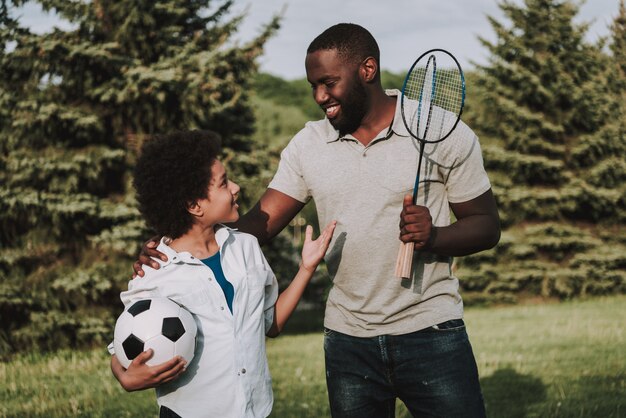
point(551, 113)
point(75, 106)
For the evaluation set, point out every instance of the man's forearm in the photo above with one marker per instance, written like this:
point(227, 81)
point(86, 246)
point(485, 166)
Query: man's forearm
point(255, 222)
point(466, 236)
point(269, 216)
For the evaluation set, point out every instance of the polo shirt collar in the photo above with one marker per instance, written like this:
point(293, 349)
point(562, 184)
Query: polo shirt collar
point(397, 125)
point(222, 235)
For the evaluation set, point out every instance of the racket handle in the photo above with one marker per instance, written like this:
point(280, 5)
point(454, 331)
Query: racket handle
point(405, 260)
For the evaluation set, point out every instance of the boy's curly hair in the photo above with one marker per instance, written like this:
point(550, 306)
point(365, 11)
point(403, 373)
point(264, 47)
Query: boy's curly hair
point(173, 171)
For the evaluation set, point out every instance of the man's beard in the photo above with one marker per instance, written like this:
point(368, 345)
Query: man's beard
point(353, 110)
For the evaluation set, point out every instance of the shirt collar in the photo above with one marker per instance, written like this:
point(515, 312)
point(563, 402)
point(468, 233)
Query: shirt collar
point(397, 125)
point(222, 235)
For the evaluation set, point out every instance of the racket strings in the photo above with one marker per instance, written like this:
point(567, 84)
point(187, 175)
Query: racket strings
point(427, 95)
point(434, 96)
point(446, 94)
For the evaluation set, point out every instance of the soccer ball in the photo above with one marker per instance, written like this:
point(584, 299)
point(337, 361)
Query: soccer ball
point(160, 324)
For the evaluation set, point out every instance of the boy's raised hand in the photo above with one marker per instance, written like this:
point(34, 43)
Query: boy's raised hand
point(314, 250)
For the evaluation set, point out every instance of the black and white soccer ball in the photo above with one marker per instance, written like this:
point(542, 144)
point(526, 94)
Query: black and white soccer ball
point(160, 324)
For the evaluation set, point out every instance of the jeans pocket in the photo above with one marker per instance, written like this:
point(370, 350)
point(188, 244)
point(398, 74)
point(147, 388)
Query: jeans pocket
point(328, 332)
point(451, 325)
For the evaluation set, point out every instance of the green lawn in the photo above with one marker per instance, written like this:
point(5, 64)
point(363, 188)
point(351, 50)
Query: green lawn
point(554, 360)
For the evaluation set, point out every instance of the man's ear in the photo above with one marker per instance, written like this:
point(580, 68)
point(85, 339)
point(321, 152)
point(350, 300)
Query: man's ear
point(368, 69)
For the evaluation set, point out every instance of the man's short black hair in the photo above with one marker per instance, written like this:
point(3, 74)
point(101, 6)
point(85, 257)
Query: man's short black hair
point(173, 171)
point(353, 43)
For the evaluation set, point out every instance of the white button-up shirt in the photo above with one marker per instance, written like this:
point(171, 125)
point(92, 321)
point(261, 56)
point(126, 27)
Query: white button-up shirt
point(229, 375)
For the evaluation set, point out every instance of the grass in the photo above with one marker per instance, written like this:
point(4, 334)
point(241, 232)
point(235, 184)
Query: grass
point(552, 360)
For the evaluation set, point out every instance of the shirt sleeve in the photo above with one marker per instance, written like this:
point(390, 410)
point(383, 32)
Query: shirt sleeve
point(289, 177)
point(270, 296)
point(466, 178)
point(139, 289)
point(270, 290)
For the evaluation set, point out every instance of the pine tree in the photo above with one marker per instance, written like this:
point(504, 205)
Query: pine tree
point(553, 146)
point(75, 106)
point(618, 47)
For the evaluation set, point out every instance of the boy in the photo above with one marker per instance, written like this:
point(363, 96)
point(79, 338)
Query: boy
point(219, 274)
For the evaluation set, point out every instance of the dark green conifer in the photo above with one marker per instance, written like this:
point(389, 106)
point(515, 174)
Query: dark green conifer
point(552, 123)
point(75, 105)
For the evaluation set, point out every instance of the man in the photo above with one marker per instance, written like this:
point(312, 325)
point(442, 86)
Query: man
point(385, 337)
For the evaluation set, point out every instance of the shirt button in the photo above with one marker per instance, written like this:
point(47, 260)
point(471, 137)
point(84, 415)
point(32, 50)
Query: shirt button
point(222, 308)
point(210, 279)
point(243, 371)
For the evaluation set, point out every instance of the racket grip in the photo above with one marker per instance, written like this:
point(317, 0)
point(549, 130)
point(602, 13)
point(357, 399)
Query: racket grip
point(405, 260)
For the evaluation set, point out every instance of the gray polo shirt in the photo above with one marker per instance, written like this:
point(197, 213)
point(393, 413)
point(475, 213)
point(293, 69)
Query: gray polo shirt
point(362, 189)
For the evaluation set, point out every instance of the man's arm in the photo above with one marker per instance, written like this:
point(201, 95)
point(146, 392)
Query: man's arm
point(477, 227)
point(269, 216)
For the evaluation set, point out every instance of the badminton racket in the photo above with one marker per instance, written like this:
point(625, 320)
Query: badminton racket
point(432, 99)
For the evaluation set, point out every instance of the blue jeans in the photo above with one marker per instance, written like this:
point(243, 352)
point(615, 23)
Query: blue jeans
point(433, 371)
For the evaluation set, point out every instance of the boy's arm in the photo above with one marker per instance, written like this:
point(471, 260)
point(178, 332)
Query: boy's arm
point(312, 254)
point(288, 300)
point(140, 376)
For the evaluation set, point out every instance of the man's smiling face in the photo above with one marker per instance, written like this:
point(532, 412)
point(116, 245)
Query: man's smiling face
point(337, 89)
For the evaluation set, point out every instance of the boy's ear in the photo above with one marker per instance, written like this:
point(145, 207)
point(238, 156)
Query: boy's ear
point(194, 208)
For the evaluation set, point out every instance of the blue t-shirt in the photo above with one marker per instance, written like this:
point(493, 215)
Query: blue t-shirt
point(215, 265)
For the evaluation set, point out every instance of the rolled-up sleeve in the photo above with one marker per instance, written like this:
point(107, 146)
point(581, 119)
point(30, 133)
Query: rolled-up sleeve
point(139, 289)
point(270, 296)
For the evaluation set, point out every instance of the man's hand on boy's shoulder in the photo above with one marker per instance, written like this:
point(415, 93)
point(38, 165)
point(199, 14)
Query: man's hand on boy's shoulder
point(147, 255)
point(140, 376)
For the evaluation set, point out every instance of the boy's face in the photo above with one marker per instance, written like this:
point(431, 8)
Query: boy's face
point(220, 205)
